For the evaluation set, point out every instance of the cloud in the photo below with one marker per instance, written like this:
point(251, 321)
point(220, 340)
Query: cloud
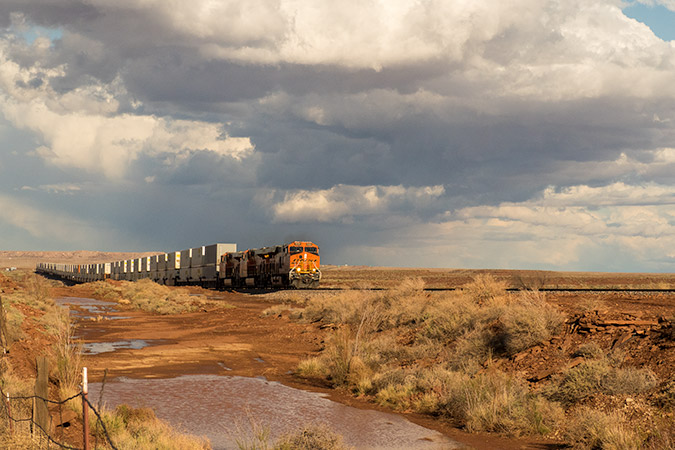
point(670, 4)
point(44, 225)
point(60, 188)
point(82, 128)
point(344, 202)
point(478, 133)
point(558, 230)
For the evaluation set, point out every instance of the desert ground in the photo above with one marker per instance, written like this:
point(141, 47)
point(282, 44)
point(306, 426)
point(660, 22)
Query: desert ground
point(237, 330)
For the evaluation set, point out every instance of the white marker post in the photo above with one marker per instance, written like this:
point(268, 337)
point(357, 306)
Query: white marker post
point(85, 410)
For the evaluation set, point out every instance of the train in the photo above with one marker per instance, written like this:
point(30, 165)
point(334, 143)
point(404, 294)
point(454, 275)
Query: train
point(293, 265)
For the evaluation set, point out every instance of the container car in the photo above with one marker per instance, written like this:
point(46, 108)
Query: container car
point(294, 265)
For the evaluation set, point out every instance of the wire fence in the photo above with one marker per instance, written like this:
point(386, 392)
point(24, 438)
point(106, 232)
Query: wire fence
point(26, 415)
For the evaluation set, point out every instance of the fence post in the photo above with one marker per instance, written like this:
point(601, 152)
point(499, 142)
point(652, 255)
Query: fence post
point(41, 394)
point(4, 338)
point(85, 410)
point(9, 415)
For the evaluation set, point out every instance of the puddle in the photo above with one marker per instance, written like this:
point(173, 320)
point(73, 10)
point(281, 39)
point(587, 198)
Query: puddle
point(89, 308)
point(226, 408)
point(94, 348)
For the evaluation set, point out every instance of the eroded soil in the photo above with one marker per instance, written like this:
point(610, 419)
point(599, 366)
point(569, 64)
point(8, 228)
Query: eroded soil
point(236, 339)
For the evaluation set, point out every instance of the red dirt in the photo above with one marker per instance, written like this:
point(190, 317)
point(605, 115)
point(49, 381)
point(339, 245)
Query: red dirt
point(238, 338)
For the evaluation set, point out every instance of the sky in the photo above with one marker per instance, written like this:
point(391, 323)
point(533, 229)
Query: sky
point(532, 134)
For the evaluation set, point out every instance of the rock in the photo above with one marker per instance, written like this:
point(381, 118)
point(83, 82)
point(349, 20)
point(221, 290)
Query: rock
point(575, 362)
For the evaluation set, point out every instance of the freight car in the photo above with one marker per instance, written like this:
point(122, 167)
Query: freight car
point(294, 265)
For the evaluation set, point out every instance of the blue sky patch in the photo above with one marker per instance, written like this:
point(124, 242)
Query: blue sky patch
point(35, 32)
point(660, 19)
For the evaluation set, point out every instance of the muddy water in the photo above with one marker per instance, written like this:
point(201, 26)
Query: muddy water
point(89, 308)
point(228, 408)
point(94, 348)
point(224, 409)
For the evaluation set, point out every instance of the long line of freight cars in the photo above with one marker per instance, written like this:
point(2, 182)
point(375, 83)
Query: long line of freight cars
point(218, 265)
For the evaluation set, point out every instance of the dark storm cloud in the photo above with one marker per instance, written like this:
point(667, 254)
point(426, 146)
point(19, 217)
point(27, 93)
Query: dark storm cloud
point(436, 115)
point(463, 147)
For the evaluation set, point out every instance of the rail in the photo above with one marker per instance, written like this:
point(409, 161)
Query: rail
point(556, 289)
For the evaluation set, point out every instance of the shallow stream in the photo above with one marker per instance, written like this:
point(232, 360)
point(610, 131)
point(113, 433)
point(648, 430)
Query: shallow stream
point(226, 409)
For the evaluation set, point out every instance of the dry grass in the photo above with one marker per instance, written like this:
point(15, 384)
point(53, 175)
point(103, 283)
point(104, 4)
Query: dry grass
point(311, 437)
point(488, 402)
point(15, 386)
point(590, 428)
point(66, 359)
point(252, 435)
point(410, 350)
point(485, 288)
point(599, 376)
point(502, 403)
point(139, 428)
point(14, 320)
point(379, 333)
point(150, 296)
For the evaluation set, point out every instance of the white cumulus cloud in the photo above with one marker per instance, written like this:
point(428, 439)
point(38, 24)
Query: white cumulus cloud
point(343, 202)
point(83, 128)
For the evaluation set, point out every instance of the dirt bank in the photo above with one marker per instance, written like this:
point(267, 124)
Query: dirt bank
point(235, 339)
point(231, 336)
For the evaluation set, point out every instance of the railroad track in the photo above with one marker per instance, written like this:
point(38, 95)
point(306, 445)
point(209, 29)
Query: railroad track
point(556, 289)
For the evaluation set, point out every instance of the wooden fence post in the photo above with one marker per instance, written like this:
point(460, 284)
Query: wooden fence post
point(85, 410)
point(4, 338)
point(42, 392)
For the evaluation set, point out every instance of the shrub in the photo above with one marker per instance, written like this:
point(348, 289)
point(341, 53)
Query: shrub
point(504, 328)
point(501, 403)
point(449, 316)
point(484, 288)
point(592, 428)
point(665, 398)
point(378, 333)
point(277, 310)
point(67, 357)
point(396, 396)
point(311, 368)
point(528, 322)
point(591, 350)
point(599, 376)
point(313, 437)
point(630, 380)
point(14, 320)
point(341, 308)
point(149, 296)
point(338, 356)
point(486, 402)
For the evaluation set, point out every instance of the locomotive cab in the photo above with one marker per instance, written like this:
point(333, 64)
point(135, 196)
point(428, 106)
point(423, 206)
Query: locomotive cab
point(305, 264)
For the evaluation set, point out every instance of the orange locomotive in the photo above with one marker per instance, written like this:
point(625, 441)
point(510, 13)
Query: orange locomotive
point(290, 265)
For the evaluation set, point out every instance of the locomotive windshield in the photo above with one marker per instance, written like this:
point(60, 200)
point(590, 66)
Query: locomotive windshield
point(314, 250)
point(294, 250)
